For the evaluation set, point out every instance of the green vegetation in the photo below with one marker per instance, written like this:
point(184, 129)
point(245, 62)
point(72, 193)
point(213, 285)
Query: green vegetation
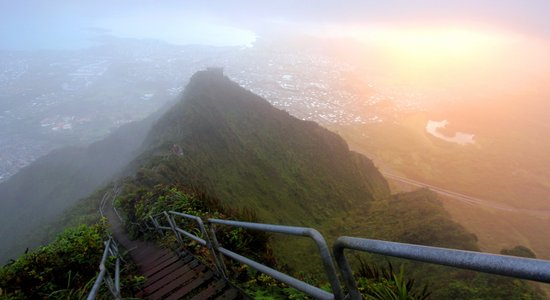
point(482, 286)
point(238, 148)
point(501, 165)
point(384, 284)
point(266, 166)
point(138, 202)
point(249, 154)
point(520, 251)
point(417, 218)
point(66, 268)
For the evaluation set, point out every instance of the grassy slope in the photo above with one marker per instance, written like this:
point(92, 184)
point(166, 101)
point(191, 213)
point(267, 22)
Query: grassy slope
point(253, 155)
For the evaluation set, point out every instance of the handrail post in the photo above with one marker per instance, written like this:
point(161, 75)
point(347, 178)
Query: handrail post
point(328, 264)
point(219, 265)
point(117, 278)
point(205, 241)
point(326, 257)
point(346, 271)
point(173, 226)
point(111, 249)
point(517, 267)
point(157, 226)
point(102, 270)
point(218, 257)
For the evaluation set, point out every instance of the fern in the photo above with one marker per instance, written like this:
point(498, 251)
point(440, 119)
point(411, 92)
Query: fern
point(384, 284)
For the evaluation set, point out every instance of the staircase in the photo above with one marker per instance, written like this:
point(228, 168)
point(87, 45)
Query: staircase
point(179, 275)
point(169, 274)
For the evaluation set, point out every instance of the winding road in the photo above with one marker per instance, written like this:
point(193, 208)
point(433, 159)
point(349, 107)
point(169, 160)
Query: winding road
point(467, 199)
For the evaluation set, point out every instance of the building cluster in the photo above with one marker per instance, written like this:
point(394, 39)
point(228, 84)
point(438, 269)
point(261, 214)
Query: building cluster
point(86, 93)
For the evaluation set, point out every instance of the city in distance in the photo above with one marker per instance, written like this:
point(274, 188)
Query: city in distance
point(451, 97)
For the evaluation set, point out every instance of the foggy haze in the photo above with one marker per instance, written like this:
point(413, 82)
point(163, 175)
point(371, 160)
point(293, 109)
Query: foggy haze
point(400, 81)
point(68, 25)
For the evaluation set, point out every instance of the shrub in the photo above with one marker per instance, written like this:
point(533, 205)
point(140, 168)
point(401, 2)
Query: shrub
point(64, 267)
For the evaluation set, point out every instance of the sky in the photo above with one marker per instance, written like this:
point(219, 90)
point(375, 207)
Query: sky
point(465, 44)
point(61, 24)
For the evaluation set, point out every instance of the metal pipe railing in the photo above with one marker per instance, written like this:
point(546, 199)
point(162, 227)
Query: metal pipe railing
point(523, 268)
point(205, 241)
point(157, 223)
point(191, 236)
point(326, 258)
point(179, 232)
point(116, 191)
point(296, 283)
point(103, 202)
point(111, 249)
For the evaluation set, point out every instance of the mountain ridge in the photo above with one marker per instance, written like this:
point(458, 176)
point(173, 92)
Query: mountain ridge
point(224, 129)
point(226, 143)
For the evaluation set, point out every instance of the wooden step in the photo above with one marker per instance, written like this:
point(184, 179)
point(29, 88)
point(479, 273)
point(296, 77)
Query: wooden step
point(172, 274)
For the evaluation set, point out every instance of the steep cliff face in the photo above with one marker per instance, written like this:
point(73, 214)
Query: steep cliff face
point(254, 155)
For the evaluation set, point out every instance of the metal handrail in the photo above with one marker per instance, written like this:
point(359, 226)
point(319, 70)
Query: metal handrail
point(523, 268)
point(111, 249)
point(220, 267)
point(179, 232)
point(116, 191)
point(326, 258)
point(103, 202)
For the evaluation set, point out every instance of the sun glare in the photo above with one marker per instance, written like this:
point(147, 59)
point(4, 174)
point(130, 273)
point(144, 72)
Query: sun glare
point(449, 55)
point(432, 48)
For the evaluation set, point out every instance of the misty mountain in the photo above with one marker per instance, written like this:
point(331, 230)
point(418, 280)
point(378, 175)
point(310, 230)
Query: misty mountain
point(250, 154)
point(233, 145)
point(229, 143)
point(37, 194)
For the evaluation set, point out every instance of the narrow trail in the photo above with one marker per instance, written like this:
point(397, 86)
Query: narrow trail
point(169, 274)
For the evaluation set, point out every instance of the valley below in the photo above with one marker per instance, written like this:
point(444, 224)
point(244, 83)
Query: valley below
point(495, 225)
point(501, 196)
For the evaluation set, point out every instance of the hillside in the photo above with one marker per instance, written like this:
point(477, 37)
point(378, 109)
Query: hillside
point(220, 141)
point(39, 193)
point(253, 155)
point(234, 146)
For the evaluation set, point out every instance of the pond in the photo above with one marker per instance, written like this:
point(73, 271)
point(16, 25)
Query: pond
point(460, 138)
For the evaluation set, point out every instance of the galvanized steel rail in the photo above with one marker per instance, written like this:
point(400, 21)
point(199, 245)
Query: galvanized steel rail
point(324, 251)
point(111, 249)
point(205, 241)
point(523, 268)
